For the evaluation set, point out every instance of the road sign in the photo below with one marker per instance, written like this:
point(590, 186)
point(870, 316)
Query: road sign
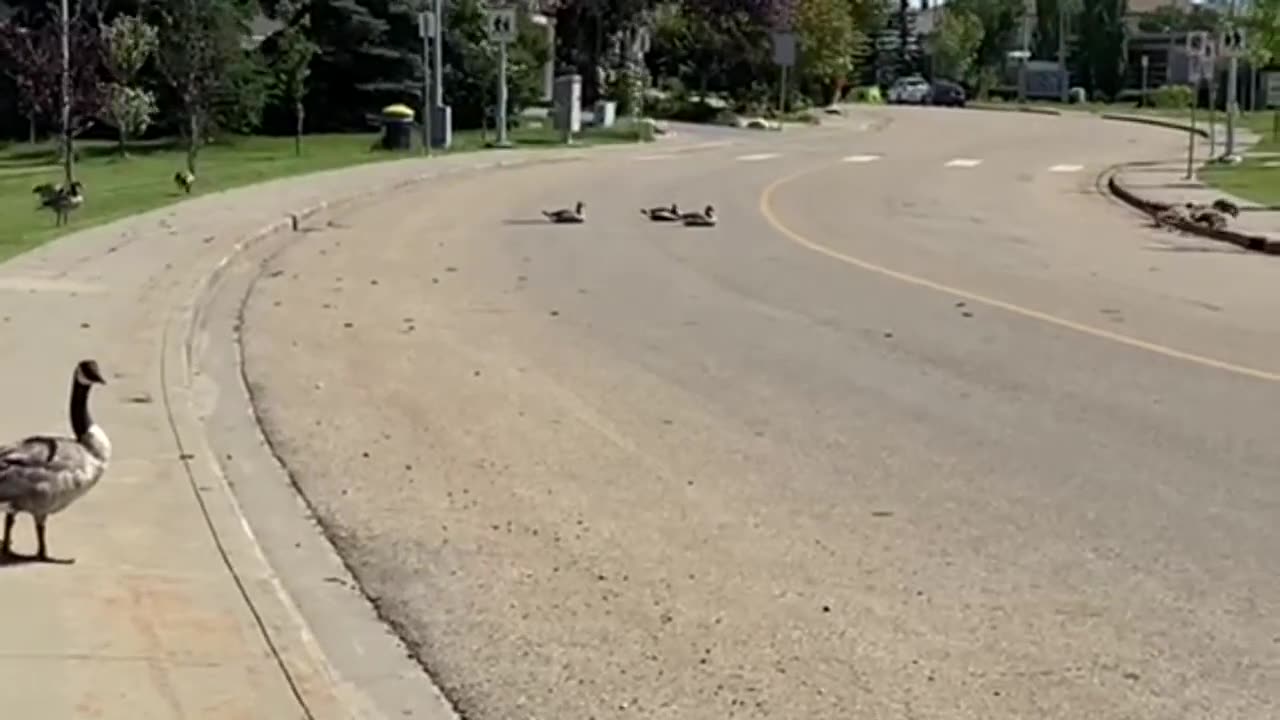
point(501, 24)
point(784, 48)
point(426, 25)
point(1232, 42)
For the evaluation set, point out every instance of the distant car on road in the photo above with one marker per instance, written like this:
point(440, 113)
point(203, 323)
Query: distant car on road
point(913, 90)
point(946, 93)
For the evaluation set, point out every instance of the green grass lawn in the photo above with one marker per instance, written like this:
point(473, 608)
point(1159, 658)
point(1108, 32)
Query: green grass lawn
point(116, 188)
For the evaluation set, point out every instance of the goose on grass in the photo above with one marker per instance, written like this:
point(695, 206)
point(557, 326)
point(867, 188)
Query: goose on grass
point(42, 474)
point(566, 215)
point(184, 179)
point(61, 200)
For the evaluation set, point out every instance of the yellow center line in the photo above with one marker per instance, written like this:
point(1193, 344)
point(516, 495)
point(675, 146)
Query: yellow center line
point(767, 211)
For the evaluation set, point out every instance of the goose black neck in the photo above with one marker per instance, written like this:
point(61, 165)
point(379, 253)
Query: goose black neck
point(80, 419)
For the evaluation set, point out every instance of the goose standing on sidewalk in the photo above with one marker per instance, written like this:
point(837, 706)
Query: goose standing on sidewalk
point(42, 475)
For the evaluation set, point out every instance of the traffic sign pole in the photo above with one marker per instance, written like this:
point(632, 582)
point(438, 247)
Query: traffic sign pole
point(502, 95)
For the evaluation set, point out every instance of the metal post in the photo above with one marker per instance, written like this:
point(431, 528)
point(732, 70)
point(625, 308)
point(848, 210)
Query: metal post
point(1232, 81)
point(502, 95)
point(425, 28)
point(782, 92)
point(1213, 108)
point(1062, 54)
point(1146, 62)
point(68, 157)
point(438, 6)
point(1191, 134)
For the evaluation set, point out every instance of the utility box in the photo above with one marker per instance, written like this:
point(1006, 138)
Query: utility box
point(442, 126)
point(568, 105)
point(606, 113)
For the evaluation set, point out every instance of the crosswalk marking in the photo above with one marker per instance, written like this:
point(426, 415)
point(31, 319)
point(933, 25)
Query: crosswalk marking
point(861, 158)
point(1066, 168)
point(757, 157)
point(964, 162)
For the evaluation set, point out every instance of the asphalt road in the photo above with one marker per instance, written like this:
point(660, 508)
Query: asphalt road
point(933, 432)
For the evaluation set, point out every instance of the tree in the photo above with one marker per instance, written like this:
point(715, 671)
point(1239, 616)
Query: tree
point(1102, 46)
point(999, 19)
point(1174, 18)
point(955, 43)
point(201, 55)
point(294, 52)
point(30, 54)
point(827, 41)
point(130, 42)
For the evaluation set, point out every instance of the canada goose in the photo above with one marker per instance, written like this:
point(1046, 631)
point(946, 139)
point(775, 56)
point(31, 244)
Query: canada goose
point(706, 218)
point(1226, 207)
point(61, 200)
point(1210, 218)
point(662, 214)
point(566, 215)
point(42, 475)
point(1169, 218)
point(184, 180)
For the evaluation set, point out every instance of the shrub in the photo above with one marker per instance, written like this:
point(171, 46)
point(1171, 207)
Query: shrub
point(1171, 96)
point(868, 94)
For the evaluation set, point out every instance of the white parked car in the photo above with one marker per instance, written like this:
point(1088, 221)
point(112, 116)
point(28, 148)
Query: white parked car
point(912, 89)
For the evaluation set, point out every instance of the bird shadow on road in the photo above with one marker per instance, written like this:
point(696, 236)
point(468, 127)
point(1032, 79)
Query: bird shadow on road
point(525, 221)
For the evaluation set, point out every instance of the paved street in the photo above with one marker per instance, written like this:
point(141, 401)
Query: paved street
point(925, 428)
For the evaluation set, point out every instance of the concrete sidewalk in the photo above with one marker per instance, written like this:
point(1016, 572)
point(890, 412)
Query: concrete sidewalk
point(170, 610)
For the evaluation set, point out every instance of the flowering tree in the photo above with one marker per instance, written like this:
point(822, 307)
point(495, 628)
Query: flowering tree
point(32, 56)
point(129, 42)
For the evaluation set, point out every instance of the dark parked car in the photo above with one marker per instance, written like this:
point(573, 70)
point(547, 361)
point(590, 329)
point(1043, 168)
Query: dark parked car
point(945, 92)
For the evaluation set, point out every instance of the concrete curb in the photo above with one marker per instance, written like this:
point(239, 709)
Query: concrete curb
point(1154, 121)
point(1030, 110)
point(320, 685)
point(1256, 243)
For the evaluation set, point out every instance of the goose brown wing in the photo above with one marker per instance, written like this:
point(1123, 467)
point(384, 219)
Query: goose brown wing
point(36, 464)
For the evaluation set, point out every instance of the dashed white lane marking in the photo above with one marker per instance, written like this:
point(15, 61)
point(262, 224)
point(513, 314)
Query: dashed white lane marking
point(663, 156)
point(1066, 168)
point(964, 162)
point(757, 157)
point(861, 158)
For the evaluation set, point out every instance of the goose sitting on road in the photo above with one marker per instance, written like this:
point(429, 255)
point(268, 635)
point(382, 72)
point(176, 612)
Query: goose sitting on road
point(184, 179)
point(706, 218)
point(42, 475)
point(662, 214)
point(565, 215)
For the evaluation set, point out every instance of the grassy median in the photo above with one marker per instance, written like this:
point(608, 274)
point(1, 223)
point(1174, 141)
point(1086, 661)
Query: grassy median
point(117, 187)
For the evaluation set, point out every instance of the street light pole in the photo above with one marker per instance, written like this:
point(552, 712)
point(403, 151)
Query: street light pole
point(68, 160)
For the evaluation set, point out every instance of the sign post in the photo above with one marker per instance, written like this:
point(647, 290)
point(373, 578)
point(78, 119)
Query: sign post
point(1146, 62)
point(784, 56)
point(501, 23)
point(426, 30)
point(1232, 42)
point(1198, 52)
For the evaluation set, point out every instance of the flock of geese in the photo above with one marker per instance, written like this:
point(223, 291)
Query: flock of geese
point(1213, 216)
point(670, 213)
point(62, 200)
point(43, 474)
